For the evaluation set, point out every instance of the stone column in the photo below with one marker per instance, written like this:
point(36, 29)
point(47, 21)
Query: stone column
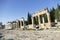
point(32, 22)
point(43, 22)
point(49, 22)
point(23, 23)
point(17, 24)
point(20, 24)
point(39, 21)
point(43, 19)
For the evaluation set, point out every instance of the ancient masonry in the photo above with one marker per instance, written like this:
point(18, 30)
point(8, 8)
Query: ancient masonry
point(20, 23)
point(41, 20)
point(41, 16)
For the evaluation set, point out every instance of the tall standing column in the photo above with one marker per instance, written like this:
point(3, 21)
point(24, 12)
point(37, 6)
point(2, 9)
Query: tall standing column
point(23, 23)
point(43, 19)
point(43, 22)
point(48, 17)
point(17, 24)
point(20, 24)
point(39, 21)
point(32, 22)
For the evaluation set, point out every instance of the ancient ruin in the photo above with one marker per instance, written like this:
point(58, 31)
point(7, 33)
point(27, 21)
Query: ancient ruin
point(20, 23)
point(41, 19)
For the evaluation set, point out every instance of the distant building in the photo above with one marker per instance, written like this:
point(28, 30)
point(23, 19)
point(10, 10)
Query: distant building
point(10, 25)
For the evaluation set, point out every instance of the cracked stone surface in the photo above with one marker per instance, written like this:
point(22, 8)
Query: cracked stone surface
point(30, 35)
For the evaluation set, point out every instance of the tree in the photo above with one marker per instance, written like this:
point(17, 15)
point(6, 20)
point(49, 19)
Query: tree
point(57, 13)
point(26, 22)
point(29, 18)
point(52, 15)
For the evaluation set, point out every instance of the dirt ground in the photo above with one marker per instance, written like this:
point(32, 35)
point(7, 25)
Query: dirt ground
point(30, 34)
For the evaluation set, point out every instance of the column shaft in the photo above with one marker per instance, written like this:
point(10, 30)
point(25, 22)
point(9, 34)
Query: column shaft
point(39, 21)
point(32, 22)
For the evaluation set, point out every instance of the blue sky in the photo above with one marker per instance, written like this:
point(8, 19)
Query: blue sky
point(15, 9)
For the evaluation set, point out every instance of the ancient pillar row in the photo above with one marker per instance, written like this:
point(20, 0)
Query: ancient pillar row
point(22, 20)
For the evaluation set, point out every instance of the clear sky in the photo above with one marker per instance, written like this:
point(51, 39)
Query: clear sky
point(15, 9)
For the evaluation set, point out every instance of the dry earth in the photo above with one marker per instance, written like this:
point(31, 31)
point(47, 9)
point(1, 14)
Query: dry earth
point(30, 34)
